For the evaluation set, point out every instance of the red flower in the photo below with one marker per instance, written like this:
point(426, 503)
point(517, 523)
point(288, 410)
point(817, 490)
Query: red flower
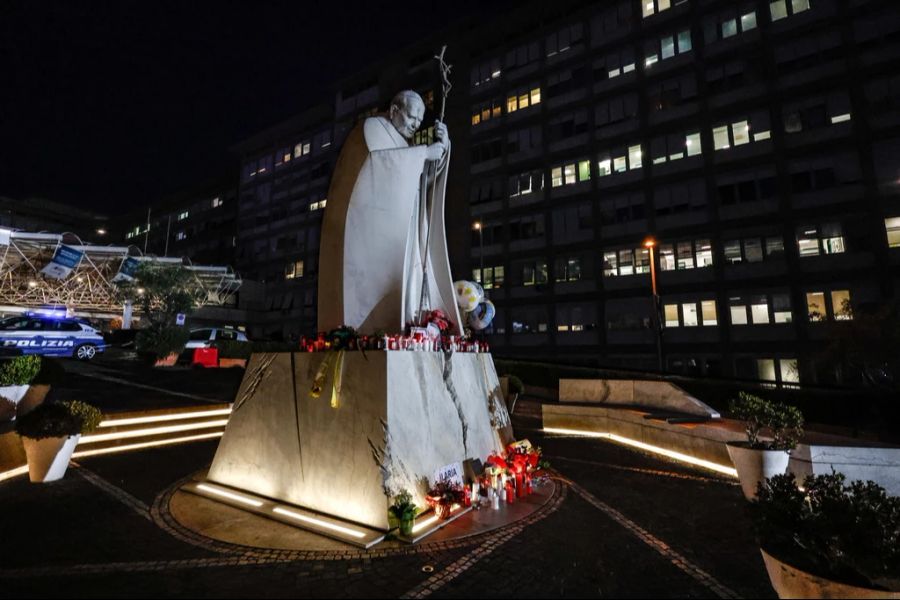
point(497, 461)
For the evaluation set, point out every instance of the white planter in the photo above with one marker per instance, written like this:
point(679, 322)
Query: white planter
point(790, 582)
point(14, 393)
point(48, 458)
point(755, 465)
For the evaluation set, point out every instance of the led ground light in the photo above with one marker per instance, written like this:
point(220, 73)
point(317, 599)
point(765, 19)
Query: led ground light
point(291, 515)
point(135, 433)
point(143, 445)
point(162, 418)
point(678, 456)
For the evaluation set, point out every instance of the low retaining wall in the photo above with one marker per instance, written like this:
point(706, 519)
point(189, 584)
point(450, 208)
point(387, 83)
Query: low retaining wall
point(704, 441)
point(660, 395)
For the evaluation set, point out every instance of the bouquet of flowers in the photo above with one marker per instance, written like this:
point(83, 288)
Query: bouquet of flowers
point(439, 318)
point(443, 495)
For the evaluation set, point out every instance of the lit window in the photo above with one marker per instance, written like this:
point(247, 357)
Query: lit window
point(778, 9)
point(666, 257)
point(181, 235)
point(604, 168)
point(892, 226)
point(651, 60)
point(294, 270)
point(840, 303)
point(569, 174)
point(789, 371)
point(685, 256)
point(523, 100)
point(704, 253)
point(684, 41)
point(584, 170)
point(732, 249)
point(610, 264)
point(668, 47)
point(671, 315)
point(825, 239)
point(840, 118)
point(738, 311)
point(765, 369)
point(748, 21)
point(720, 138)
point(729, 28)
point(535, 96)
point(799, 5)
point(815, 306)
point(620, 164)
point(708, 309)
point(556, 178)
point(808, 242)
point(759, 310)
point(634, 157)
point(182, 215)
point(689, 314)
point(476, 119)
point(740, 131)
point(692, 142)
point(216, 202)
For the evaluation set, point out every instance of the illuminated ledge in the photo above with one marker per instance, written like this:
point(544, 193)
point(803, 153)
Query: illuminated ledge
point(288, 514)
point(14, 473)
point(427, 523)
point(677, 456)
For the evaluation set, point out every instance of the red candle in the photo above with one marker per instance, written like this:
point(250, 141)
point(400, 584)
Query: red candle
point(520, 484)
point(467, 496)
point(510, 495)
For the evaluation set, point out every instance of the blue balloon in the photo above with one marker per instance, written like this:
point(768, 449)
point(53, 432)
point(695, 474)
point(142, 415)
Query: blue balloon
point(482, 316)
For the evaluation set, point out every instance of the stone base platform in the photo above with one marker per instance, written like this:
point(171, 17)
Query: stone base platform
point(231, 525)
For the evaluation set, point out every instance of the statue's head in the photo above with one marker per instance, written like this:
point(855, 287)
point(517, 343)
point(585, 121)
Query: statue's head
point(406, 113)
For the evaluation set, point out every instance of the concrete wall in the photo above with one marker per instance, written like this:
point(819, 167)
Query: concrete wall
point(658, 395)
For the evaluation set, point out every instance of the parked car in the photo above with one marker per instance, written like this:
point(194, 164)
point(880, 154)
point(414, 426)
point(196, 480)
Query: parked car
point(50, 336)
point(207, 337)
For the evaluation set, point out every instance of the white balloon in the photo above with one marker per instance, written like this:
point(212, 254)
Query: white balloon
point(468, 295)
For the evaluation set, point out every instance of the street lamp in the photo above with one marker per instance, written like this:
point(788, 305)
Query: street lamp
point(477, 227)
point(650, 244)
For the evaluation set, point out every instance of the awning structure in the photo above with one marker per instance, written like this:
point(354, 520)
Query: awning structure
point(50, 269)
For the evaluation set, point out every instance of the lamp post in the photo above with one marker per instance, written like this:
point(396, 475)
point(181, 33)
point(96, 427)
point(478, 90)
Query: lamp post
point(477, 227)
point(650, 244)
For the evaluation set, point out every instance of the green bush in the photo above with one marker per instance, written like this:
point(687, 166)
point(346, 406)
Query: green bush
point(515, 385)
point(19, 370)
point(785, 422)
point(162, 342)
point(51, 372)
point(848, 533)
point(59, 419)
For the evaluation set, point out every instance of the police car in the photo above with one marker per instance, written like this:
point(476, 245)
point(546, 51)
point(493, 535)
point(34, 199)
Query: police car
point(50, 336)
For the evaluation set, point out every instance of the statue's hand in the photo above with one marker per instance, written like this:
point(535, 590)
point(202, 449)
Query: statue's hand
point(440, 132)
point(436, 150)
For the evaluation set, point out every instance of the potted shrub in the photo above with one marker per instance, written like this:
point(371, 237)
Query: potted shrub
point(828, 539)
point(756, 460)
point(402, 513)
point(50, 374)
point(516, 387)
point(50, 433)
point(163, 345)
point(15, 376)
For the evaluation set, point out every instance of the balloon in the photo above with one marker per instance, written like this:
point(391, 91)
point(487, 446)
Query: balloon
point(468, 295)
point(482, 316)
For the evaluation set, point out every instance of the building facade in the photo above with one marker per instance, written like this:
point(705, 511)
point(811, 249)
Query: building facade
point(757, 143)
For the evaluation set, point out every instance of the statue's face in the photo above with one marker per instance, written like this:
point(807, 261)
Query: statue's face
point(406, 119)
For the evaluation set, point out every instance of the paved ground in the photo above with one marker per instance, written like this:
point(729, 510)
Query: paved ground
point(622, 525)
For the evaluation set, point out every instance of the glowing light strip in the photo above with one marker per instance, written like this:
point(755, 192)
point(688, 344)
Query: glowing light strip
point(123, 435)
point(229, 495)
point(13, 473)
point(318, 523)
point(699, 462)
point(431, 520)
point(159, 418)
point(141, 446)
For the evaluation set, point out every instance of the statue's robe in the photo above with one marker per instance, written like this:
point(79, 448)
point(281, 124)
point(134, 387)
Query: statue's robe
point(375, 234)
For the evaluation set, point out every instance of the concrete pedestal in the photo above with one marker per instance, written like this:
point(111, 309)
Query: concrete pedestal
point(399, 416)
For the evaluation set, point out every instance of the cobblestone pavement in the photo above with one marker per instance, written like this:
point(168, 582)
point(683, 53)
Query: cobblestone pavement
point(622, 524)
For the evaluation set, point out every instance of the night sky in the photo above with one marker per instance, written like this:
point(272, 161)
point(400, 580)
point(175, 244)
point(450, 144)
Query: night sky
point(109, 105)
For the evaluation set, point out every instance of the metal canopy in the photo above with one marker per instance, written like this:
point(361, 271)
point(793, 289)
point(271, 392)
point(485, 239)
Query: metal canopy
point(89, 287)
